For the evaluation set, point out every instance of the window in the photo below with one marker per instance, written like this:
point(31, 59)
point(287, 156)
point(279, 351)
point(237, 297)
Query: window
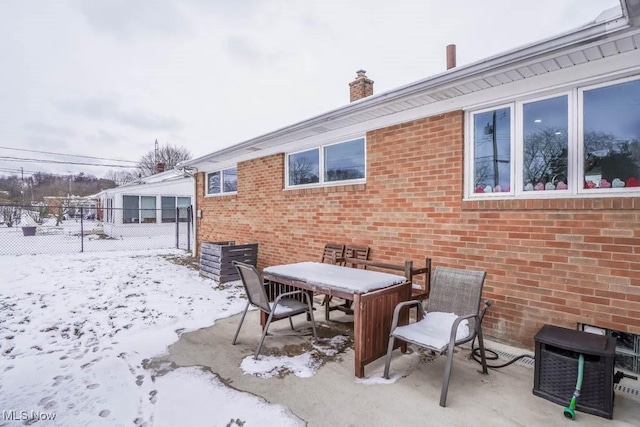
point(345, 161)
point(148, 211)
point(139, 209)
point(224, 181)
point(492, 151)
point(304, 167)
point(611, 136)
point(169, 208)
point(627, 346)
point(545, 148)
point(335, 163)
point(580, 142)
point(109, 216)
point(130, 208)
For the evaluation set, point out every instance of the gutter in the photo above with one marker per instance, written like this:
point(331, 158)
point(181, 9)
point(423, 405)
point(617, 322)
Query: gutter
point(577, 37)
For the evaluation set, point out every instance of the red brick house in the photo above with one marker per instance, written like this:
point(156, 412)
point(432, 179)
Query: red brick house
point(525, 165)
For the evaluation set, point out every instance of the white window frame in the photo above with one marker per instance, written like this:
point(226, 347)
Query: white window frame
point(109, 217)
point(222, 192)
point(519, 147)
point(321, 167)
point(580, 113)
point(175, 205)
point(140, 209)
point(469, 143)
point(575, 163)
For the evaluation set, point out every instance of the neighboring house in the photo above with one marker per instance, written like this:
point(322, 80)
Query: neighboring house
point(525, 165)
point(148, 205)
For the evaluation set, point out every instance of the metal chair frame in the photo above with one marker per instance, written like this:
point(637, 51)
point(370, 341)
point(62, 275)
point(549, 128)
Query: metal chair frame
point(453, 290)
point(254, 287)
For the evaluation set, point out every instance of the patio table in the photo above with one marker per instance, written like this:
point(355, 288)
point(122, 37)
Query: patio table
point(374, 295)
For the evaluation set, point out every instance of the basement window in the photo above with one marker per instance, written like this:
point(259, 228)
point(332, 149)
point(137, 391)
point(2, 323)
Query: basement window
point(627, 346)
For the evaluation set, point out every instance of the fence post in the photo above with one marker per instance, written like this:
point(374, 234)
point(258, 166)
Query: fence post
point(177, 228)
point(81, 229)
point(189, 213)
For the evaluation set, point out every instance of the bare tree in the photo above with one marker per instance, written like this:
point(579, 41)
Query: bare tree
point(121, 177)
point(38, 213)
point(10, 215)
point(483, 173)
point(301, 172)
point(545, 155)
point(169, 155)
point(596, 141)
point(61, 210)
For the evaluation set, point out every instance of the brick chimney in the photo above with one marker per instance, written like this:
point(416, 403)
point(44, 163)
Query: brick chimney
point(361, 87)
point(451, 56)
point(159, 167)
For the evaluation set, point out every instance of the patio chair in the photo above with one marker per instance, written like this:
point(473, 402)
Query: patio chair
point(350, 251)
point(453, 317)
point(357, 252)
point(284, 305)
point(332, 252)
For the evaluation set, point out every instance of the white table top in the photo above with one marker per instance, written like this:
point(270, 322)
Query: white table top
point(355, 280)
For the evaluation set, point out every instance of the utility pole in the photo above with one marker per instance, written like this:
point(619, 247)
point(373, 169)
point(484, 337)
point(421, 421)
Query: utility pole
point(22, 186)
point(496, 173)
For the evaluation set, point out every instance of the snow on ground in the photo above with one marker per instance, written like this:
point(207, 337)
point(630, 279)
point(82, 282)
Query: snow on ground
point(76, 330)
point(193, 392)
point(304, 365)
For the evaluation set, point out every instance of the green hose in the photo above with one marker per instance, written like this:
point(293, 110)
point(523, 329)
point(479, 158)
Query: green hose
point(569, 411)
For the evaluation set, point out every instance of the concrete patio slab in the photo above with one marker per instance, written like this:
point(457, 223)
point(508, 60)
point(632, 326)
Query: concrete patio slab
point(334, 397)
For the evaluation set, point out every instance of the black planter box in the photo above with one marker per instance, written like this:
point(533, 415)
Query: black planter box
point(556, 369)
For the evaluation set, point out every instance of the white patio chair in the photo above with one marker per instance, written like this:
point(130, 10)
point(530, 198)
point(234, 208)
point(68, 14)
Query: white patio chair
point(283, 306)
point(453, 317)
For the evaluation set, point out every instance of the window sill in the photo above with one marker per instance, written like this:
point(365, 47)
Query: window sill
point(599, 202)
point(235, 193)
point(342, 188)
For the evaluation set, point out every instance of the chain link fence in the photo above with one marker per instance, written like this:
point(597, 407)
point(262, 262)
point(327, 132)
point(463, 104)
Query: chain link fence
point(55, 229)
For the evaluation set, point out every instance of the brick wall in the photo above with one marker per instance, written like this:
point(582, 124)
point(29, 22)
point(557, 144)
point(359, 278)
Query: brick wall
point(547, 261)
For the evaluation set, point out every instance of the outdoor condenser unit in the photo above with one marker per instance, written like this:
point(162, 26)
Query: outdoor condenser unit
point(556, 368)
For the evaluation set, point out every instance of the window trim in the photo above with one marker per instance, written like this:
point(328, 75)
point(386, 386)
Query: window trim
point(519, 147)
point(580, 120)
point(139, 209)
point(173, 210)
point(575, 129)
point(470, 169)
point(143, 210)
point(222, 192)
point(321, 167)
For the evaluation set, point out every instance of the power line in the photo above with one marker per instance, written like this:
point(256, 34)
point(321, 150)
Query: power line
point(69, 155)
point(15, 171)
point(22, 159)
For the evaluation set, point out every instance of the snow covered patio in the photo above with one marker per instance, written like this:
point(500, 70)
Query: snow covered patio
point(77, 332)
point(132, 338)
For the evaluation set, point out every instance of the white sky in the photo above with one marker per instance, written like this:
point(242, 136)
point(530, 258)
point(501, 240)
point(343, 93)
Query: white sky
point(108, 77)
